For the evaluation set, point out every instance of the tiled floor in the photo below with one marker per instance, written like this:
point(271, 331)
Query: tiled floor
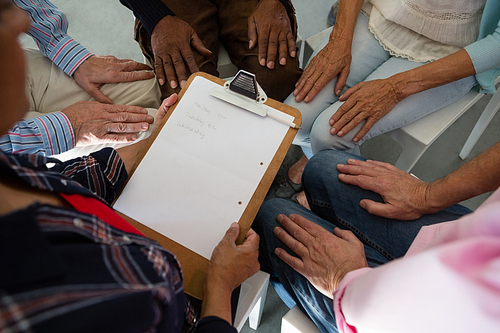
point(108, 30)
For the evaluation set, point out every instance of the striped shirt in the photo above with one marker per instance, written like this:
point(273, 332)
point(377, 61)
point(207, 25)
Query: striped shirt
point(49, 27)
point(50, 134)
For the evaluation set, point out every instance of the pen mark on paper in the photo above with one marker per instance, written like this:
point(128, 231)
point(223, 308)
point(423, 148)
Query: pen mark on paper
point(197, 131)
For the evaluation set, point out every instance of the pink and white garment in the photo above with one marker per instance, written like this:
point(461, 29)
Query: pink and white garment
point(449, 281)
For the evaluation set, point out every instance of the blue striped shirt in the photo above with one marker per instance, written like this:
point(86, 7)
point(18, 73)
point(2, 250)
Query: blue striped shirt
point(50, 134)
point(49, 27)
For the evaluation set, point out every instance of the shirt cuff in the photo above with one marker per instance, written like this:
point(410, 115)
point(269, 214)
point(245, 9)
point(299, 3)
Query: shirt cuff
point(342, 324)
point(57, 133)
point(68, 55)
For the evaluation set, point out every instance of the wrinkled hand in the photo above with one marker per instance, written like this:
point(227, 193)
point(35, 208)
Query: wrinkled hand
point(334, 59)
point(95, 122)
point(269, 26)
point(98, 70)
point(232, 264)
point(370, 101)
point(404, 195)
point(324, 258)
point(172, 40)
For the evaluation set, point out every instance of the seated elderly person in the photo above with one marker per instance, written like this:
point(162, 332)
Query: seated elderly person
point(382, 251)
point(72, 91)
point(69, 262)
point(389, 63)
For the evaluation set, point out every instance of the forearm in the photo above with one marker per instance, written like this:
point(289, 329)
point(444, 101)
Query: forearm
point(451, 68)
point(217, 300)
point(481, 175)
point(345, 22)
point(130, 155)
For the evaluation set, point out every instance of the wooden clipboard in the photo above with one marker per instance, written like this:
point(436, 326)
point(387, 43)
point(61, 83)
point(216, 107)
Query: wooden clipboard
point(194, 266)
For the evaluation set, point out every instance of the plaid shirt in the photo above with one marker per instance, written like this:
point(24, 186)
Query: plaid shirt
point(65, 271)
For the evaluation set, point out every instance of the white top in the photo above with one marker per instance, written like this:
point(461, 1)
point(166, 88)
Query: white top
point(424, 30)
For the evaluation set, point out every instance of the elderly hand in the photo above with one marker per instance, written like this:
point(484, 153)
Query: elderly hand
point(370, 101)
point(98, 70)
point(94, 122)
point(334, 59)
point(232, 264)
point(269, 26)
point(324, 258)
point(172, 40)
point(405, 196)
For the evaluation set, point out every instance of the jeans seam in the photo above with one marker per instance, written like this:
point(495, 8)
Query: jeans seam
point(355, 230)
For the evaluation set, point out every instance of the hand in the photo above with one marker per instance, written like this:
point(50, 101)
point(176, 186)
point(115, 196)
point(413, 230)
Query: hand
point(370, 101)
point(334, 59)
point(324, 258)
point(172, 40)
point(270, 26)
point(98, 70)
point(232, 264)
point(94, 122)
point(405, 196)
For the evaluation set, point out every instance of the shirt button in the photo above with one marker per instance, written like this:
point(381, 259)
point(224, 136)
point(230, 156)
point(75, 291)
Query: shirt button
point(126, 238)
point(64, 182)
point(78, 222)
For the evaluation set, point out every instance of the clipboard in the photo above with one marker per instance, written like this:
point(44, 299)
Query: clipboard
point(194, 265)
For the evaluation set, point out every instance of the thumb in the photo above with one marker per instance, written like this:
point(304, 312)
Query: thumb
point(233, 232)
point(252, 34)
point(375, 208)
point(99, 96)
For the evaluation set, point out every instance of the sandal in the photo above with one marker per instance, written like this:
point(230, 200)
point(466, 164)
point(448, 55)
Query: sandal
point(288, 188)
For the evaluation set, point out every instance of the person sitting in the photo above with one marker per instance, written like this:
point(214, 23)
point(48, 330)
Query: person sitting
point(67, 73)
point(179, 38)
point(382, 251)
point(69, 262)
point(388, 64)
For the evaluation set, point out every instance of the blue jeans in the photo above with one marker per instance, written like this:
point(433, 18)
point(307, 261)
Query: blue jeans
point(334, 204)
point(369, 62)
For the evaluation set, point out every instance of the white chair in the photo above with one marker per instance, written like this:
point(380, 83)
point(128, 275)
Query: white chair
point(416, 137)
point(253, 294)
point(295, 321)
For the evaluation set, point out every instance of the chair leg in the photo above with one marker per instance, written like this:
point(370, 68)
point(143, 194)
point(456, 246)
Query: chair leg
point(256, 313)
point(483, 122)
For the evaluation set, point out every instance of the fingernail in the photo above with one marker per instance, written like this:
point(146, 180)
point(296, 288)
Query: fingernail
point(270, 64)
point(333, 130)
point(173, 84)
point(161, 82)
point(295, 92)
point(234, 225)
point(250, 44)
point(279, 218)
point(362, 204)
point(262, 62)
point(355, 139)
point(340, 133)
point(283, 61)
point(183, 82)
point(340, 165)
point(145, 126)
point(338, 92)
point(292, 54)
point(351, 160)
point(332, 122)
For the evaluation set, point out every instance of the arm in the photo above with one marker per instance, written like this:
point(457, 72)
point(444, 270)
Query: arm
point(49, 27)
point(371, 100)
point(334, 59)
point(172, 41)
point(407, 198)
point(49, 134)
point(269, 26)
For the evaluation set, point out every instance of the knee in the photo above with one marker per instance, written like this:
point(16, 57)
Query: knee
point(321, 138)
point(322, 167)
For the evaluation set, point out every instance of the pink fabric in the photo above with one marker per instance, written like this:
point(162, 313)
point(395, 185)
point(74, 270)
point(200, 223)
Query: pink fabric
point(449, 281)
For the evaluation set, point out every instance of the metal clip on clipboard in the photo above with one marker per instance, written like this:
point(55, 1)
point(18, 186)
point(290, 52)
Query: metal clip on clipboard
point(244, 91)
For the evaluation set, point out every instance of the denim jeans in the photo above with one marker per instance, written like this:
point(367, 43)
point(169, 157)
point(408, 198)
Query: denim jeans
point(369, 62)
point(334, 204)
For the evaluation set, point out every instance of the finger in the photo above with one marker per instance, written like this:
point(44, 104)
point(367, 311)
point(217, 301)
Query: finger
point(299, 228)
point(263, 44)
point(348, 93)
point(252, 33)
point(283, 49)
point(294, 262)
point(320, 83)
point(335, 118)
point(272, 49)
point(131, 65)
point(292, 45)
point(306, 82)
point(119, 138)
point(296, 246)
point(131, 76)
point(97, 94)
point(341, 81)
point(121, 108)
point(232, 233)
point(364, 130)
point(198, 45)
point(376, 208)
point(159, 71)
point(180, 67)
point(168, 68)
point(192, 66)
point(122, 128)
point(345, 235)
point(251, 240)
point(352, 120)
